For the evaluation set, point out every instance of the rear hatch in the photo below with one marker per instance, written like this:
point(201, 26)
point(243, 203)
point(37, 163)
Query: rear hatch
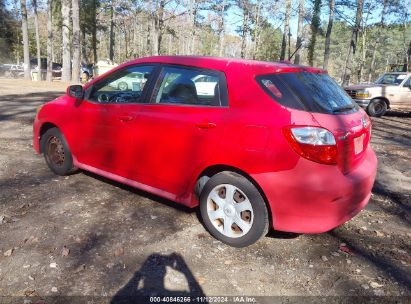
point(331, 108)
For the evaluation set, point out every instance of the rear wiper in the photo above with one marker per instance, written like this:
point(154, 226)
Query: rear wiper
point(343, 108)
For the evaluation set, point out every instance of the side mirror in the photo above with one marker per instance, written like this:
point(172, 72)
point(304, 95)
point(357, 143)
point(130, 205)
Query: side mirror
point(75, 91)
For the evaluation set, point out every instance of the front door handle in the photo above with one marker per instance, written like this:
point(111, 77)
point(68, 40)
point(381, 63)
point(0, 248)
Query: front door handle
point(126, 118)
point(206, 125)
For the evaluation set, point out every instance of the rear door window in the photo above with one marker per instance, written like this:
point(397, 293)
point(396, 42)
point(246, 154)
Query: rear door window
point(308, 92)
point(190, 86)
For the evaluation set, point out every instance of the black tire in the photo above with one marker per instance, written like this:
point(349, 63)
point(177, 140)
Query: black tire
point(122, 86)
point(260, 223)
point(377, 108)
point(56, 152)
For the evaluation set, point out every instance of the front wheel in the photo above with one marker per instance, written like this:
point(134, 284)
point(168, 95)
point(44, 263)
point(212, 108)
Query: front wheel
point(56, 152)
point(233, 210)
point(377, 108)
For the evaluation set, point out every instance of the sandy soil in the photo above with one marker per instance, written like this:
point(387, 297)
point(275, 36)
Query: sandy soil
point(85, 235)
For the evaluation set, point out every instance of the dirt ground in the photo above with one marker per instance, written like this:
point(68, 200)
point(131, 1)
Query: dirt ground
point(85, 235)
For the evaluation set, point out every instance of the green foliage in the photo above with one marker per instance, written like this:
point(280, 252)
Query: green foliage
point(270, 41)
point(9, 37)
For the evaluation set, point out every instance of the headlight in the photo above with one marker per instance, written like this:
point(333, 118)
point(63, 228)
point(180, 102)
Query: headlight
point(362, 94)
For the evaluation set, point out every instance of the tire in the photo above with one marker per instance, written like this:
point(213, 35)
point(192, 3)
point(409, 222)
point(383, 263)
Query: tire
point(252, 215)
point(377, 108)
point(122, 86)
point(56, 152)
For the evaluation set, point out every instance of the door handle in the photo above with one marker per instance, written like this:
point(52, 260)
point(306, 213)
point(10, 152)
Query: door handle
point(126, 118)
point(206, 125)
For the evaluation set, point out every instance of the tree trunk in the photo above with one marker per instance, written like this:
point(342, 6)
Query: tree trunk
point(36, 24)
point(49, 40)
point(158, 20)
point(25, 33)
point(315, 25)
point(300, 31)
point(65, 12)
point(245, 30)
point(75, 76)
point(286, 30)
point(83, 44)
point(111, 43)
point(353, 44)
point(377, 43)
point(221, 30)
point(192, 5)
point(328, 35)
point(363, 55)
point(257, 30)
point(94, 31)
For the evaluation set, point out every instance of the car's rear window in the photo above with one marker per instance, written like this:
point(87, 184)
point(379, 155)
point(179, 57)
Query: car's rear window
point(307, 91)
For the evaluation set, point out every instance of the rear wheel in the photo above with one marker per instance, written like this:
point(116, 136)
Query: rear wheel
point(56, 152)
point(233, 209)
point(377, 108)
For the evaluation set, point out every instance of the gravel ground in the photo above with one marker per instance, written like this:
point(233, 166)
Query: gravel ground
point(86, 235)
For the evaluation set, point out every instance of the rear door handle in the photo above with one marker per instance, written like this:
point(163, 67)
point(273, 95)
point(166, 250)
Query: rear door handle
point(125, 118)
point(206, 125)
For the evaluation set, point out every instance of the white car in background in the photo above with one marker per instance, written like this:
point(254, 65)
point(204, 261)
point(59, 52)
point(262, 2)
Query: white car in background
point(205, 84)
point(133, 81)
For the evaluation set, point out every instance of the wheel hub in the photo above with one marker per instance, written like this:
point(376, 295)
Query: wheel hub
point(229, 210)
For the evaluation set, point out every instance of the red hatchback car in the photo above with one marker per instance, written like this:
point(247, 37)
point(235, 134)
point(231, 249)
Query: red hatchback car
point(256, 145)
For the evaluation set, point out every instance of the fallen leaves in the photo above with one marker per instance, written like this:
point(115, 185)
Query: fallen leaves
point(324, 258)
point(344, 248)
point(80, 268)
point(119, 251)
point(32, 239)
point(65, 251)
point(8, 252)
point(376, 285)
point(31, 293)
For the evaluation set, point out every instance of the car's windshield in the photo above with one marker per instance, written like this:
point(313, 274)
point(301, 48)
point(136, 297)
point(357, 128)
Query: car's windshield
point(392, 79)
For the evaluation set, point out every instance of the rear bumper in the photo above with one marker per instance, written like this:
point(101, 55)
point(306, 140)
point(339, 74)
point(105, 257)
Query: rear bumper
point(315, 198)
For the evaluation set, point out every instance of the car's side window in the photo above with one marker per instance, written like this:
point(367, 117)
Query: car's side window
point(407, 83)
point(123, 86)
point(180, 85)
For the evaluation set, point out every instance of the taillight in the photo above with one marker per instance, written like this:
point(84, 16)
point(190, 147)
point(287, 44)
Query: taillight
point(313, 143)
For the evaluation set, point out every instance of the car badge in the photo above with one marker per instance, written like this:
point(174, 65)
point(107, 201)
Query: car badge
point(364, 122)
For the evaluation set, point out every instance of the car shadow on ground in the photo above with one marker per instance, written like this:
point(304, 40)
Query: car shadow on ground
point(151, 280)
point(396, 113)
point(23, 105)
point(139, 192)
point(271, 234)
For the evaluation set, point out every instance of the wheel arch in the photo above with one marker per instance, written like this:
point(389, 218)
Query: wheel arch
point(214, 169)
point(43, 129)
point(385, 99)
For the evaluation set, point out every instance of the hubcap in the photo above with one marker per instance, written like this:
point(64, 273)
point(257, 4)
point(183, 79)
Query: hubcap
point(55, 151)
point(230, 211)
point(378, 108)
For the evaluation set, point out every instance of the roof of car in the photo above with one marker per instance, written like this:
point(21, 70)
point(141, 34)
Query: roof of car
point(399, 73)
point(225, 64)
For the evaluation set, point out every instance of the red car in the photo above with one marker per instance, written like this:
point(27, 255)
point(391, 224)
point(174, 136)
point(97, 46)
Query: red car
point(263, 145)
